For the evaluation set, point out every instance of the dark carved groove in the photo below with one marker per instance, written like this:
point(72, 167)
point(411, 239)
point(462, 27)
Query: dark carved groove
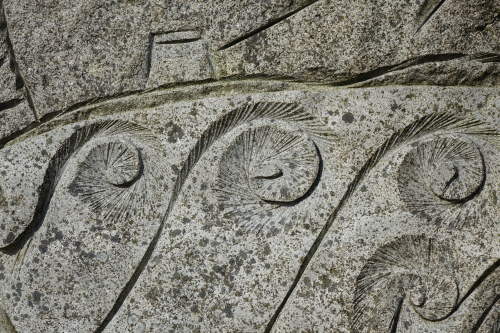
point(427, 9)
point(481, 319)
point(179, 41)
point(473, 194)
point(266, 26)
point(489, 271)
point(423, 126)
point(485, 57)
point(20, 82)
point(149, 59)
point(6, 139)
point(409, 259)
point(397, 67)
point(309, 192)
point(393, 327)
point(10, 104)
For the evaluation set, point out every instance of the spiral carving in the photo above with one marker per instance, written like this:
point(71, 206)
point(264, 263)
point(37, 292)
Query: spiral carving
point(440, 177)
point(415, 270)
point(265, 168)
point(113, 178)
point(114, 153)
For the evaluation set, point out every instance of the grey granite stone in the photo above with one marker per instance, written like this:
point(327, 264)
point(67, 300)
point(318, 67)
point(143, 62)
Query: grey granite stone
point(201, 220)
point(70, 53)
point(178, 57)
point(343, 42)
point(249, 166)
point(8, 91)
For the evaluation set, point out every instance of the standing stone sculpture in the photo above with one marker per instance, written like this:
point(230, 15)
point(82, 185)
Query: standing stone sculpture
point(249, 166)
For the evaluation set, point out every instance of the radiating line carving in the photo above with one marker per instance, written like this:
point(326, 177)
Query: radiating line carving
point(110, 180)
point(441, 178)
point(437, 123)
point(264, 171)
point(56, 166)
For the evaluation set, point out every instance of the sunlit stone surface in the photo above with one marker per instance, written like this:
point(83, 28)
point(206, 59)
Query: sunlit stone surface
point(249, 166)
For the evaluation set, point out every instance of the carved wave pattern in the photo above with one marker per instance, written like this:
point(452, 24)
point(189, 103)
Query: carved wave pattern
point(114, 180)
point(440, 179)
point(115, 168)
point(279, 165)
point(412, 268)
point(286, 112)
point(69, 148)
point(440, 124)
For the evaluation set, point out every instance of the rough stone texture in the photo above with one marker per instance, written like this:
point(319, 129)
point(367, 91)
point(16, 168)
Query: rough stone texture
point(249, 166)
point(348, 41)
point(179, 57)
point(15, 111)
point(75, 51)
point(15, 118)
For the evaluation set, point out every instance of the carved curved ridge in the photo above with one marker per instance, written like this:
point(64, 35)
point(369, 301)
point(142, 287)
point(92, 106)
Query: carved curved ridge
point(264, 171)
point(274, 111)
point(119, 163)
point(439, 179)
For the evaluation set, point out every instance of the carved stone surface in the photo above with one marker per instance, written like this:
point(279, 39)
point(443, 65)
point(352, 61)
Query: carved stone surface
point(249, 166)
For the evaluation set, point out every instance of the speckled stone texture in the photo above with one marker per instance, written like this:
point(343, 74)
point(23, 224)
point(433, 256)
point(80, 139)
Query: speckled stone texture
point(249, 166)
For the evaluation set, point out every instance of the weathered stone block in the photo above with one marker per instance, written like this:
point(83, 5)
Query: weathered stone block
point(249, 166)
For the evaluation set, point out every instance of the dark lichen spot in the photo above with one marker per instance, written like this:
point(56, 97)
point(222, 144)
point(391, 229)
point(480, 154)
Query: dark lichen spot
point(58, 234)
point(154, 295)
point(174, 132)
point(348, 117)
point(36, 297)
point(175, 233)
point(3, 201)
point(267, 250)
point(43, 247)
point(228, 310)
point(394, 107)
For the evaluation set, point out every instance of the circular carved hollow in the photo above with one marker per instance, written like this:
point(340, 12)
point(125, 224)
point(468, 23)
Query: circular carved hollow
point(440, 175)
point(266, 167)
point(118, 161)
